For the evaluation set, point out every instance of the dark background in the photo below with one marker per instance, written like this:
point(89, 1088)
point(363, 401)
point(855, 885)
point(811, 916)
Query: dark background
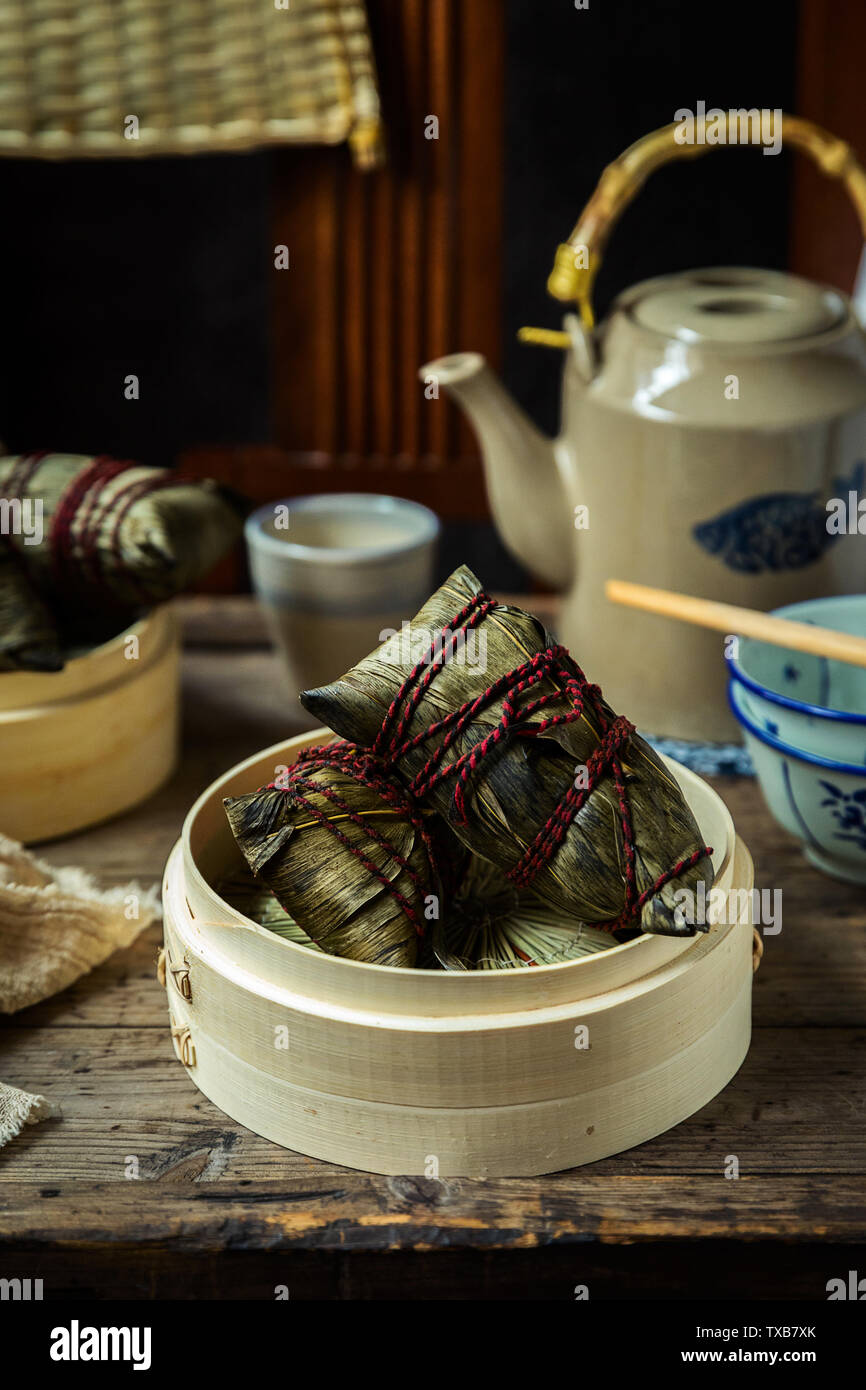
point(157, 267)
point(163, 267)
point(583, 86)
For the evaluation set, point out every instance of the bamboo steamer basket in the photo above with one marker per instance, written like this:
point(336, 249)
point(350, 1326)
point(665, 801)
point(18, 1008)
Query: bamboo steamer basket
point(501, 1073)
point(80, 745)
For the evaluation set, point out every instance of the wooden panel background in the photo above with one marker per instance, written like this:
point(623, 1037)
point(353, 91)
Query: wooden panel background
point(825, 236)
point(387, 270)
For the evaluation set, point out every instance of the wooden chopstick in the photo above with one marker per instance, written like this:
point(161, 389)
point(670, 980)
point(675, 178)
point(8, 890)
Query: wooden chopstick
point(744, 622)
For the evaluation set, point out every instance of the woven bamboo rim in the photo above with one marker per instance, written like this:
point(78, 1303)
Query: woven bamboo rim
point(104, 78)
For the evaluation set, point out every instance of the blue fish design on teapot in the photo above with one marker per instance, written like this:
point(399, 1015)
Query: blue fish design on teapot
point(779, 531)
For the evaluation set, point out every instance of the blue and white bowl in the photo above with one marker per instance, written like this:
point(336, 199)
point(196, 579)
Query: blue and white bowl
point(817, 704)
point(804, 722)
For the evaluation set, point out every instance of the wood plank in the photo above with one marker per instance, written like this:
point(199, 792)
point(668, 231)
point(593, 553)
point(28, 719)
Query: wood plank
point(826, 239)
point(814, 971)
point(440, 415)
point(480, 182)
point(357, 317)
point(262, 472)
point(408, 274)
point(381, 279)
point(355, 1212)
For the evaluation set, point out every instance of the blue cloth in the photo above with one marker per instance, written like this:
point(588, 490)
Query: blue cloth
point(707, 759)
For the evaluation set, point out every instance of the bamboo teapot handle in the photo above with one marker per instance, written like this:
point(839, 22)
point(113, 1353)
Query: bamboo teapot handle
point(578, 259)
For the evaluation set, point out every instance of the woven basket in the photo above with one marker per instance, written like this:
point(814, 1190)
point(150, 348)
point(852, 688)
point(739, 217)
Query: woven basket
point(133, 77)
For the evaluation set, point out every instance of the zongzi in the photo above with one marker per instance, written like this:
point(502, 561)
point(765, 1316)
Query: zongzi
point(496, 727)
point(490, 925)
point(245, 894)
point(346, 852)
point(114, 534)
point(28, 633)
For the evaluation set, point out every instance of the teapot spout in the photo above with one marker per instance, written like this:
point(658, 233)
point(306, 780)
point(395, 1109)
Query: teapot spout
point(527, 491)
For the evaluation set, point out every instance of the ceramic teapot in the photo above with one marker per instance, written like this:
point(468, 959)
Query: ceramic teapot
point(707, 425)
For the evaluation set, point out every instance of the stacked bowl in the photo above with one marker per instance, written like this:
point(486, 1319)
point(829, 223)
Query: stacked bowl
point(804, 722)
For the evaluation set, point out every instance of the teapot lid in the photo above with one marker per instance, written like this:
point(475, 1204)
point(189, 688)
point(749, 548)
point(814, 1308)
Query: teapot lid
point(735, 305)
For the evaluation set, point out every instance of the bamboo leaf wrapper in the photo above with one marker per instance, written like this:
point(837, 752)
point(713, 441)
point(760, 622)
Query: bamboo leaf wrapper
point(346, 854)
point(114, 533)
point(498, 766)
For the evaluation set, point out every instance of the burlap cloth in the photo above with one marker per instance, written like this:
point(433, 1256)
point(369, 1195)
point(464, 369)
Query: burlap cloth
point(55, 926)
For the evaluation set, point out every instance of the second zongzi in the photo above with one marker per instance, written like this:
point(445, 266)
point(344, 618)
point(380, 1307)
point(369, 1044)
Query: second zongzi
point(352, 859)
point(28, 634)
point(113, 533)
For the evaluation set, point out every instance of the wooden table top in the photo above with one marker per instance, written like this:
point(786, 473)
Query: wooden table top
point(217, 1204)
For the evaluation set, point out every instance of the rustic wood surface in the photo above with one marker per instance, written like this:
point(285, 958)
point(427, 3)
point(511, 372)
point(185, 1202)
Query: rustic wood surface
point(216, 1211)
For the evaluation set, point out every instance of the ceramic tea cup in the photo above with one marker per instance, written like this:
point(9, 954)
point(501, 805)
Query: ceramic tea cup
point(334, 572)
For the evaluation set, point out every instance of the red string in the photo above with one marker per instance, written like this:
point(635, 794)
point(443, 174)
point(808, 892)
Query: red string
point(134, 493)
point(78, 501)
point(79, 516)
point(19, 479)
point(367, 770)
